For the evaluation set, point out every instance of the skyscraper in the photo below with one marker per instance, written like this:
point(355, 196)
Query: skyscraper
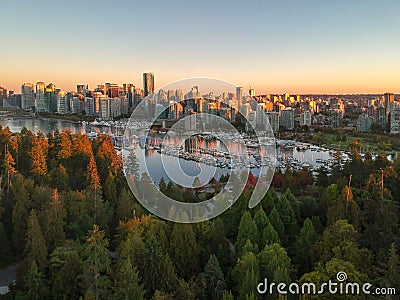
point(286, 119)
point(112, 90)
point(27, 93)
point(252, 92)
point(389, 98)
point(50, 98)
point(129, 90)
point(148, 83)
point(239, 94)
point(3, 95)
point(40, 102)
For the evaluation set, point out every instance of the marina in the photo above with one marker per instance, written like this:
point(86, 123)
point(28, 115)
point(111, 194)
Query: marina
point(206, 151)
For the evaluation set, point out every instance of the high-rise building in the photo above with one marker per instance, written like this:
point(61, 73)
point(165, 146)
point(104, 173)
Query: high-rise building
point(82, 89)
point(89, 106)
point(40, 102)
point(273, 118)
point(112, 90)
point(364, 123)
point(286, 119)
point(305, 118)
point(252, 92)
point(381, 117)
point(104, 108)
point(388, 98)
point(395, 120)
point(61, 103)
point(75, 104)
point(50, 98)
point(239, 94)
point(3, 95)
point(28, 96)
point(12, 101)
point(129, 90)
point(336, 118)
point(148, 83)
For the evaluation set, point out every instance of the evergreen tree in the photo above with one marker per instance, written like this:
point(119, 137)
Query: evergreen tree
point(246, 274)
point(345, 208)
point(65, 149)
point(97, 265)
point(339, 240)
point(261, 221)
point(304, 243)
point(125, 206)
point(213, 278)
point(9, 164)
point(380, 216)
point(59, 177)
point(270, 236)
point(184, 250)
point(288, 217)
point(38, 156)
point(276, 222)
point(392, 274)
point(247, 231)
point(20, 211)
point(35, 283)
point(169, 279)
point(270, 258)
point(79, 220)
point(153, 258)
point(269, 201)
point(94, 183)
point(53, 222)
point(35, 246)
point(126, 282)
point(67, 272)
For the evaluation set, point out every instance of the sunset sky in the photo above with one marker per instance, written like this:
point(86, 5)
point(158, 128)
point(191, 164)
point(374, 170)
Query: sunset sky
point(275, 46)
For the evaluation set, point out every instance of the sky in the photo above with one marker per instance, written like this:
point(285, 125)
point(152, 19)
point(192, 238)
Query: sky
point(308, 46)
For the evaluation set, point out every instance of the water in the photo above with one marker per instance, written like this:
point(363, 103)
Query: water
point(48, 125)
point(153, 158)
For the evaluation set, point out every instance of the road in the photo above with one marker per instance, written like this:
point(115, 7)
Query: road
point(8, 274)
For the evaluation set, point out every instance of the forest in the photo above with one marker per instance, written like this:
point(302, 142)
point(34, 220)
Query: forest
point(71, 223)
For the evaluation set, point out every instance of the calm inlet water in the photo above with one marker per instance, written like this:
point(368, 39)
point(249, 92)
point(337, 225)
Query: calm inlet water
point(153, 158)
point(48, 125)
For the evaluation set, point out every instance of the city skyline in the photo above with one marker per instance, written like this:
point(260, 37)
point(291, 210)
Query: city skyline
point(299, 48)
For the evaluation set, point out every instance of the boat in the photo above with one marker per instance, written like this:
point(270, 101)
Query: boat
point(95, 123)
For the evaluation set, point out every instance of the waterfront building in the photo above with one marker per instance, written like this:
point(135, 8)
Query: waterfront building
point(273, 118)
point(104, 106)
point(40, 101)
point(89, 106)
point(27, 96)
point(61, 103)
point(115, 107)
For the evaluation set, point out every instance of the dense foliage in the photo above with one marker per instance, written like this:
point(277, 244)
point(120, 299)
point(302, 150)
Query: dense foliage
point(69, 219)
